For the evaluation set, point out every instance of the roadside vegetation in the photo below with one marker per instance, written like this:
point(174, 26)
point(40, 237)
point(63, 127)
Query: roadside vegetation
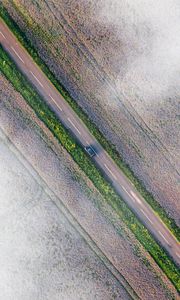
point(170, 223)
point(21, 84)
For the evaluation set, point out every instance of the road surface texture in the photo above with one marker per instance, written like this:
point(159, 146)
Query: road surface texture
point(71, 121)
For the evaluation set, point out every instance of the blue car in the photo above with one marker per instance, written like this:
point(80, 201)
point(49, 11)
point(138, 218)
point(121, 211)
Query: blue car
point(90, 151)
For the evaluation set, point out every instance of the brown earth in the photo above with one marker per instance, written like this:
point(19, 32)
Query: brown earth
point(82, 200)
point(103, 64)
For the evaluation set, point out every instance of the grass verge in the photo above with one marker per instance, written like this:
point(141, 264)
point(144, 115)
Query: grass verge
point(111, 149)
point(21, 84)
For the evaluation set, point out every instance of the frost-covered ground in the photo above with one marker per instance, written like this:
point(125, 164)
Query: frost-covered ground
point(50, 217)
point(120, 60)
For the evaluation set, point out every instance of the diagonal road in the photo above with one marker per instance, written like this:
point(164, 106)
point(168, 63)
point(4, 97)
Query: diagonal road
point(71, 121)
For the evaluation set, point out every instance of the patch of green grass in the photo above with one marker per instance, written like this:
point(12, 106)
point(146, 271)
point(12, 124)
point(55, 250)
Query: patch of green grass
point(21, 84)
point(111, 149)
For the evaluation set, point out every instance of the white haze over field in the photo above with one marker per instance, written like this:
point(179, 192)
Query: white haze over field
point(42, 255)
point(150, 36)
point(32, 228)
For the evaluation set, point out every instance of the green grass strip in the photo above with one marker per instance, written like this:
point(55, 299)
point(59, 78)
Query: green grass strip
point(22, 85)
point(111, 149)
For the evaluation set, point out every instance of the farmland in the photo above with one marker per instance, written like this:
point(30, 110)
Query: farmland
point(149, 125)
point(68, 142)
point(41, 247)
point(83, 201)
point(144, 140)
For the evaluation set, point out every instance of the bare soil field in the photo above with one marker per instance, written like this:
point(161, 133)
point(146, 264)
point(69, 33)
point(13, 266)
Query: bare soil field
point(48, 256)
point(120, 63)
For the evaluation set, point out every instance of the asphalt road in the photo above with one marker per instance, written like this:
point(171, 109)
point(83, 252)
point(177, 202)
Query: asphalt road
point(67, 116)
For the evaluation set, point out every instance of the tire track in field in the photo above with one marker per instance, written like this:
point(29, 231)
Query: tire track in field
point(104, 77)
